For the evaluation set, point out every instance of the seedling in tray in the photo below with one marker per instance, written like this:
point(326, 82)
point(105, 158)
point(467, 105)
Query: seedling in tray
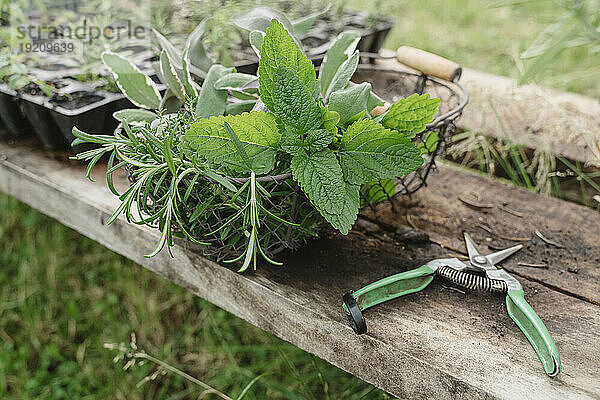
point(250, 184)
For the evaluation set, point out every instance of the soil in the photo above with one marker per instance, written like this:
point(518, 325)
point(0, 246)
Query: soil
point(34, 90)
point(76, 100)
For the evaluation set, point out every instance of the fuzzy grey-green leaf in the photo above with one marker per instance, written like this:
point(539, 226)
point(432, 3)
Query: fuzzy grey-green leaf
point(211, 101)
point(134, 115)
point(339, 52)
point(342, 76)
point(350, 102)
point(135, 85)
point(169, 73)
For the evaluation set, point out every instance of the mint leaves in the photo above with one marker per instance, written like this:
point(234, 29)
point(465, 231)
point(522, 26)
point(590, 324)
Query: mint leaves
point(411, 115)
point(292, 101)
point(256, 131)
point(279, 50)
point(335, 148)
point(369, 152)
point(320, 176)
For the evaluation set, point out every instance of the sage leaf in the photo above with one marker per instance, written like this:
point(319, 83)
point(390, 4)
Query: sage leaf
point(256, 39)
point(169, 73)
point(135, 85)
point(211, 101)
point(302, 25)
point(134, 115)
point(186, 78)
point(342, 76)
point(350, 102)
point(200, 62)
point(339, 52)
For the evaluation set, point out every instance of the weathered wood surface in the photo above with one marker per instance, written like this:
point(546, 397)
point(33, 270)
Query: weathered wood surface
point(439, 343)
point(530, 115)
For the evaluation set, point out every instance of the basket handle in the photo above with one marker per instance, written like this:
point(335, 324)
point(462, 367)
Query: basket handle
point(429, 63)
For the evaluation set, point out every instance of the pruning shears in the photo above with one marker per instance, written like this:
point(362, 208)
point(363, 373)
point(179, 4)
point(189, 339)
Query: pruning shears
point(479, 273)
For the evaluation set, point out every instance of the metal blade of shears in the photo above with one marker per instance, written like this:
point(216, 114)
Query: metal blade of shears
point(501, 255)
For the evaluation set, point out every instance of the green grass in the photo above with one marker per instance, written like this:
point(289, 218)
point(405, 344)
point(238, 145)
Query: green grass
point(488, 36)
point(62, 296)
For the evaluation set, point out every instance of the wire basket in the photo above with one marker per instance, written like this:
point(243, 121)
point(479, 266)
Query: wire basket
point(286, 199)
point(392, 85)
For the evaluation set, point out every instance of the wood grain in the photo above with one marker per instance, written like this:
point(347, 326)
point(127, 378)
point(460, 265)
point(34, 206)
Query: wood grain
point(438, 343)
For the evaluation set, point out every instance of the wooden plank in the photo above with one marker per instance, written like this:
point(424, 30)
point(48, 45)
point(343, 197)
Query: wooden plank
point(529, 115)
point(439, 343)
point(499, 215)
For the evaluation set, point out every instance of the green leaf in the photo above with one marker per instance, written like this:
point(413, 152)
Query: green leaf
point(342, 76)
point(256, 39)
point(350, 102)
point(330, 120)
point(211, 101)
point(339, 52)
point(169, 73)
point(279, 50)
point(200, 63)
point(256, 131)
point(240, 107)
point(302, 25)
point(348, 211)
point(320, 177)
point(134, 115)
point(291, 141)
point(430, 143)
point(411, 115)
point(238, 145)
point(378, 191)
point(234, 81)
point(318, 139)
point(186, 78)
point(292, 102)
point(369, 152)
point(135, 85)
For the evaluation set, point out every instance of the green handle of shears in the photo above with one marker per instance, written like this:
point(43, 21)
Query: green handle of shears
point(393, 286)
point(534, 329)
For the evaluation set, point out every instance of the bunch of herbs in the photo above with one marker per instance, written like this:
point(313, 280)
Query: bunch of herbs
point(267, 178)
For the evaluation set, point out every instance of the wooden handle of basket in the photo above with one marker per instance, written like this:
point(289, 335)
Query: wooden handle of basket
point(429, 63)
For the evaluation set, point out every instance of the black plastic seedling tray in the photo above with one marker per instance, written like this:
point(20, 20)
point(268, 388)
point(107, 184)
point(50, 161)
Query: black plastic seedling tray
point(52, 119)
point(11, 114)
